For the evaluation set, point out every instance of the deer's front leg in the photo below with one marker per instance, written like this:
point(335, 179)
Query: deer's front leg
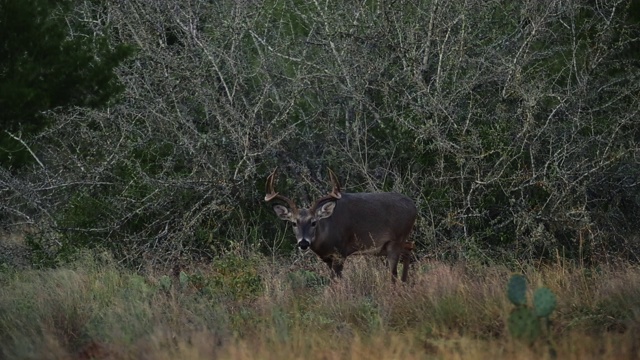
point(335, 264)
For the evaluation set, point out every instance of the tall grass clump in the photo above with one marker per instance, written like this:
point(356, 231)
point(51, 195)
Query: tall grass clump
point(93, 302)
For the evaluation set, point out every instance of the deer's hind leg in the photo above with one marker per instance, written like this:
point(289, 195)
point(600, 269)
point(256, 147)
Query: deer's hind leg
point(395, 251)
point(393, 258)
point(406, 259)
point(407, 249)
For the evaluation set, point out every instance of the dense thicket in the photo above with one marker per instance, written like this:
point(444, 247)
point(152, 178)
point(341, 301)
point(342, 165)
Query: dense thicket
point(514, 126)
point(48, 60)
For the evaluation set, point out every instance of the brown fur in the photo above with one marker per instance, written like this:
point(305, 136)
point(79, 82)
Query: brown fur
point(344, 224)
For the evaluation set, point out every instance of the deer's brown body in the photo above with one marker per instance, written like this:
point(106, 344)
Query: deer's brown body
point(343, 224)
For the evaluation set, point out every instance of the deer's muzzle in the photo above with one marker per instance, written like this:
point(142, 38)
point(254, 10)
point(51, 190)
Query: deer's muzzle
point(304, 244)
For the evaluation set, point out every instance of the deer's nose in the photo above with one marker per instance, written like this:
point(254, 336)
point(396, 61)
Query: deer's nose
point(303, 244)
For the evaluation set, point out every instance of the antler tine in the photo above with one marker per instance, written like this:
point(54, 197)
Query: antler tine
point(268, 188)
point(335, 193)
point(272, 194)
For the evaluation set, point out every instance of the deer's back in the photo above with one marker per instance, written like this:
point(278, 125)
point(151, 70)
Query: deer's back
point(366, 218)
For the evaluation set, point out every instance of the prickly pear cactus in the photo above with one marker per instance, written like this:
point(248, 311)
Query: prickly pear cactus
point(517, 290)
point(544, 302)
point(523, 324)
point(527, 322)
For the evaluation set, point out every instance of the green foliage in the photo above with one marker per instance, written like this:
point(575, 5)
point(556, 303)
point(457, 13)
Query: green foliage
point(236, 276)
point(289, 17)
point(365, 315)
point(524, 322)
point(112, 211)
point(41, 257)
point(165, 282)
point(80, 222)
point(304, 279)
point(44, 67)
point(184, 279)
point(230, 279)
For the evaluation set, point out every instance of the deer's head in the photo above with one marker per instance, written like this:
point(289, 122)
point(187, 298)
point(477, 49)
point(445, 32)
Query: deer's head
point(304, 221)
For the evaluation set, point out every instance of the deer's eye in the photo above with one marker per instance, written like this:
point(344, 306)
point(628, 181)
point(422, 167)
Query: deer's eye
point(313, 223)
point(295, 224)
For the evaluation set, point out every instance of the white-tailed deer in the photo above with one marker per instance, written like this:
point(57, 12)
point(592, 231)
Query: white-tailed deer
point(341, 224)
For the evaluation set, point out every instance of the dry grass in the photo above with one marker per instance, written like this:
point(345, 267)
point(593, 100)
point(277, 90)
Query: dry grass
point(93, 309)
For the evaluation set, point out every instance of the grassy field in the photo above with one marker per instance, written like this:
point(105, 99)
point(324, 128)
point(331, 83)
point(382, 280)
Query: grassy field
point(247, 306)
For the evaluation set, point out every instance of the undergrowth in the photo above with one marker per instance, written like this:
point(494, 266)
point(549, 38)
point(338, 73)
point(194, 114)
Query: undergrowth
point(251, 307)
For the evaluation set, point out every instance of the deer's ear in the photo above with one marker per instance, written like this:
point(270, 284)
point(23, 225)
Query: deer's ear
point(326, 210)
point(283, 213)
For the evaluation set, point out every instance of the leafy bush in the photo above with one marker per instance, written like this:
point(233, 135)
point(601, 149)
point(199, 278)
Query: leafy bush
point(236, 276)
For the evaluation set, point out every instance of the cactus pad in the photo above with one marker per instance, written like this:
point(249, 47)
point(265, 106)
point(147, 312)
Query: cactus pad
point(523, 324)
point(517, 290)
point(544, 302)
